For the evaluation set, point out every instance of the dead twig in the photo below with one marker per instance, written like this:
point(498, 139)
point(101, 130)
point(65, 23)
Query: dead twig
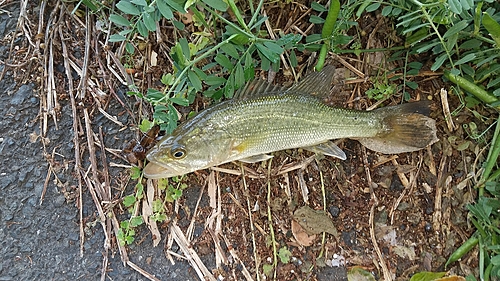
point(446, 110)
point(374, 201)
point(191, 255)
point(74, 113)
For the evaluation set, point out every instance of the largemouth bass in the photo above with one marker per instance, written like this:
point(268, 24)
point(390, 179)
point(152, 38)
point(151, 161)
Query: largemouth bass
point(263, 118)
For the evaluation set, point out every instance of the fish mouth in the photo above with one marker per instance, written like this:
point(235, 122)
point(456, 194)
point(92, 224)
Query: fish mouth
point(155, 171)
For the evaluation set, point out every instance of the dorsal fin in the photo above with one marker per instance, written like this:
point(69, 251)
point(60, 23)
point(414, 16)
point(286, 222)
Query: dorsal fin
point(257, 87)
point(315, 83)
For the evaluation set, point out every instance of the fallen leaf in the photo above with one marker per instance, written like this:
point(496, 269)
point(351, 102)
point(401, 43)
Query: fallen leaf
point(301, 236)
point(315, 222)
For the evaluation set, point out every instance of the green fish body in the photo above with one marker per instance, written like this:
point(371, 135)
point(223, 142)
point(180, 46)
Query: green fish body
point(263, 119)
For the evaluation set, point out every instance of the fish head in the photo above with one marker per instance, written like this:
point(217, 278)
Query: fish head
point(188, 149)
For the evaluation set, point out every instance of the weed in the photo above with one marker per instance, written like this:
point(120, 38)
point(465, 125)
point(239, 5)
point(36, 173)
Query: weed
point(463, 36)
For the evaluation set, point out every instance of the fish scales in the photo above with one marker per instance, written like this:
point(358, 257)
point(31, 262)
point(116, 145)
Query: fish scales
point(263, 118)
point(291, 120)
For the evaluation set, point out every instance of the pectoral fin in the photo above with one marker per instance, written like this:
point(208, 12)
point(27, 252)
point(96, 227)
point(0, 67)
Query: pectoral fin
point(328, 148)
point(256, 158)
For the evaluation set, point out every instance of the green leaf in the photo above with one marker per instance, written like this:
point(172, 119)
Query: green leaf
point(117, 38)
point(427, 276)
point(318, 7)
point(265, 63)
point(119, 20)
point(270, 55)
point(396, 11)
point(373, 7)
point(129, 48)
point(136, 221)
point(180, 101)
point(293, 59)
point(216, 4)
point(173, 194)
point(386, 11)
point(224, 61)
point(135, 172)
point(145, 125)
point(178, 24)
point(284, 254)
point(128, 200)
point(493, 82)
point(90, 5)
point(427, 46)
point(459, 26)
point(455, 6)
point(239, 77)
point(164, 9)
point(249, 70)
point(289, 38)
point(316, 20)
point(415, 27)
point(195, 80)
point(412, 85)
point(267, 269)
point(213, 80)
point(230, 50)
point(154, 95)
point(143, 30)
point(465, 59)
point(186, 52)
point(471, 44)
point(139, 190)
point(149, 21)
point(415, 65)
point(493, 27)
point(128, 8)
point(139, 2)
point(439, 61)
point(125, 225)
point(177, 5)
point(467, 4)
point(273, 47)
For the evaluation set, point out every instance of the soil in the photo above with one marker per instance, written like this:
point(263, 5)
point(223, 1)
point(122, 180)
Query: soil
point(417, 200)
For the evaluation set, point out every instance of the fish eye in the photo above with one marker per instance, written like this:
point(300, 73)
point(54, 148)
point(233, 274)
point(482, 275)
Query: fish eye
point(178, 152)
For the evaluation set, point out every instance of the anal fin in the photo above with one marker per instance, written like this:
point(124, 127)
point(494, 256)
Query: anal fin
point(256, 158)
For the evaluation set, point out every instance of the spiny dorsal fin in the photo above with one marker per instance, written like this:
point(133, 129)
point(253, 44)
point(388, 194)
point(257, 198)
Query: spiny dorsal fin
point(257, 87)
point(315, 83)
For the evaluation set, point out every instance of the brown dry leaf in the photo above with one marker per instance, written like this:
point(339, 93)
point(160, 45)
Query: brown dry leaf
point(405, 252)
point(154, 58)
point(451, 278)
point(315, 222)
point(301, 236)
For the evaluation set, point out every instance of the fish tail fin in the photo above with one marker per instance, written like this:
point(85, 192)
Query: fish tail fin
point(406, 128)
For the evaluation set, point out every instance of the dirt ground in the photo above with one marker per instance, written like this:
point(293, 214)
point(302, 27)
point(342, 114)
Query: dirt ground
point(394, 215)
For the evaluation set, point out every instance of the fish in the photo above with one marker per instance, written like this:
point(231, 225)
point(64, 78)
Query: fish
point(263, 118)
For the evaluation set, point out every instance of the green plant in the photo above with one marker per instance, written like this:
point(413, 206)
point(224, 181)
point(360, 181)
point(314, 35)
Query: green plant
point(173, 191)
point(462, 36)
point(126, 233)
point(381, 90)
point(485, 216)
